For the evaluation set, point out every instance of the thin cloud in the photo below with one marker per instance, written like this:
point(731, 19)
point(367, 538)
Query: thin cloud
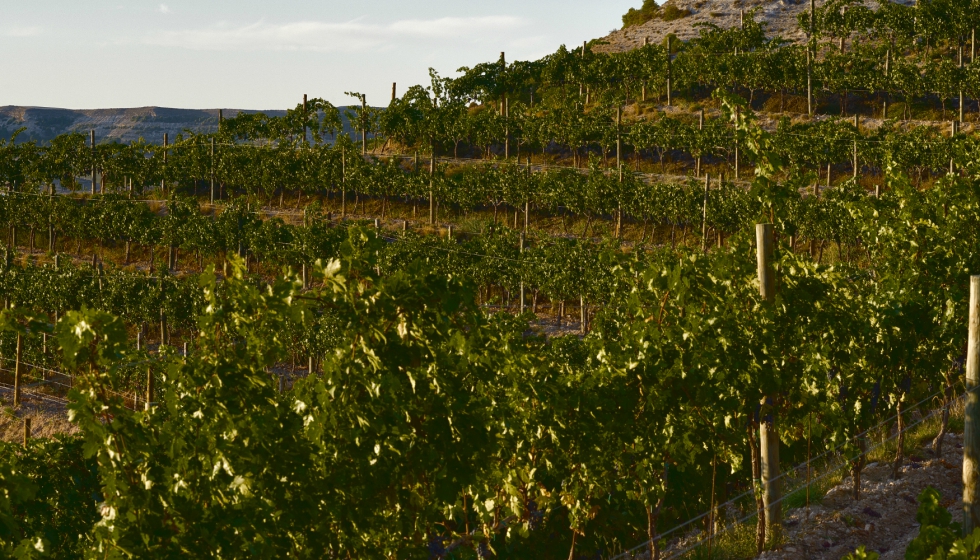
point(164, 9)
point(327, 36)
point(33, 31)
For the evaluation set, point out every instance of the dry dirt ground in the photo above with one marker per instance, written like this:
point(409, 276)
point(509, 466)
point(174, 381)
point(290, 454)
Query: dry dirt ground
point(47, 420)
point(883, 519)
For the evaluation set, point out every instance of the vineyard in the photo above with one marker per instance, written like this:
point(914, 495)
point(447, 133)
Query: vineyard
point(591, 306)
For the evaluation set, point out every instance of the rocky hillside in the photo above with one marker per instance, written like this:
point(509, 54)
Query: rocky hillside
point(123, 125)
point(779, 15)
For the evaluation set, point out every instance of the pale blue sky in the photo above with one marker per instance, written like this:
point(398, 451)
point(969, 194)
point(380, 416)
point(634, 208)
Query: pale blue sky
point(250, 54)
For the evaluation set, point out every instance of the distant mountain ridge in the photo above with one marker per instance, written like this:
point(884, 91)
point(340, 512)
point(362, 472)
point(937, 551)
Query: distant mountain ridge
point(121, 125)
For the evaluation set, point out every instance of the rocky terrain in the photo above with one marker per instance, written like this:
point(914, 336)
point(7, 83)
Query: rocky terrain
point(883, 519)
point(780, 17)
point(125, 125)
point(122, 125)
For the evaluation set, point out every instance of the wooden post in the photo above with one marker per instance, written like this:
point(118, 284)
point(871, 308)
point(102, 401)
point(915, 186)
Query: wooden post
point(737, 115)
point(364, 125)
point(432, 175)
point(888, 62)
point(17, 370)
point(962, 101)
point(212, 170)
point(809, 82)
point(527, 203)
point(704, 215)
point(670, 48)
point(506, 128)
point(643, 93)
point(305, 99)
point(449, 232)
point(768, 436)
point(953, 131)
point(139, 341)
point(163, 327)
point(221, 119)
point(857, 129)
point(809, 58)
point(343, 184)
point(619, 166)
point(522, 275)
point(583, 313)
point(163, 181)
point(855, 163)
point(619, 137)
point(150, 386)
point(394, 95)
point(971, 429)
point(697, 164)
point(92, 140)
point(27, 430)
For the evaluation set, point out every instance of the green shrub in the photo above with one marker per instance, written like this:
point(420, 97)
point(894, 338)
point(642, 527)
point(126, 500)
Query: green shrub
point(861, 554)
point(672, 12)
point(937, 533)
point(649, 11)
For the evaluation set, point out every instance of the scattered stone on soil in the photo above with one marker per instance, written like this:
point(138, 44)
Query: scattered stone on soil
point(883, 519)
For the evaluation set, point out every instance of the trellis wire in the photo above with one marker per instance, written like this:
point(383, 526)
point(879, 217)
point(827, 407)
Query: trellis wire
point(630, 553)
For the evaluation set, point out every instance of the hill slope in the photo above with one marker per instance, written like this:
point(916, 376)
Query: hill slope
point(780, 16)
point(123, 125)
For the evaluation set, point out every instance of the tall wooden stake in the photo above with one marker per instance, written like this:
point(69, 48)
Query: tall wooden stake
point(768, 436)
point(522, 276)
point(506, 128)
point(809, 58)
point(697, 169)
point(150, 386)
point(857, 128)
point(343, 184)
point(888, 63)
point(212, 170)
point(971, 429)
point(17, 370)
point(364, 125)
point(962, 101)
point(704, 215)
point(954, 129)
point(643, 91)
point(432, 194)
point(527, 203)
point(92, 140)
point(163, 181)
point(670, 49)
point(737, 113)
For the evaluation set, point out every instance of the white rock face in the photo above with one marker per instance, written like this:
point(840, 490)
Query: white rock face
point(780, 17)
